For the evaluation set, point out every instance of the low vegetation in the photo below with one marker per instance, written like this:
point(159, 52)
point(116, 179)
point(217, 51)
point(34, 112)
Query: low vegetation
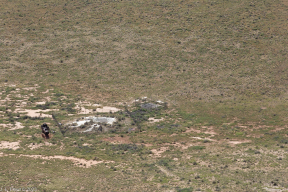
point(201, 87)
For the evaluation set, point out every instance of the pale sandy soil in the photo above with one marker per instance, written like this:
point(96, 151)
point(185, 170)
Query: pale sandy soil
point(40, 103)
point(31, 88)
point(107, 109)
point(203, 138)
point(23, 104)
point(239, 142)
point(17, 125)
point(83, 110)
point(37, 112)
point(157, 153)
point(274, 189)
point(153, 120)
point(47, 91)
point(181, 145)
point(77, 161)
point(62, 146)
point(80, 107)
point(6, 125)
point(9, 145)
point(36, 145)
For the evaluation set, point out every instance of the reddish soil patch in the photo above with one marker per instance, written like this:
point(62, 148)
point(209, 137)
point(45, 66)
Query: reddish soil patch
point(49, 136)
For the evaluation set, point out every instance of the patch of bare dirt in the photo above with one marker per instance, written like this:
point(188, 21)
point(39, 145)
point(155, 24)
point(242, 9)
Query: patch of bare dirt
point(278, 129)
point(189, 130)
point(77, 161)
point(47, 91)
point(62, 146)
point(6, 125)
point(80, 107)
point(37, 112)
point(157, 153)
point(107, 109)
point(209, 130)
point(17, 125)
point(239, 142)
point(40, 103)
point(9, 145)
point(31, 88)
point(274, 189)
point(33, 146)
point(153, 120)
point(82, 110)
point(186, 145)
point(48, 98)
point(199, 138)
point(3, 155)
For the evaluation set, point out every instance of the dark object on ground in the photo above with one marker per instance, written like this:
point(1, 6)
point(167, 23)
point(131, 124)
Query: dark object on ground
point(45, 130)
point(100, 128)
point(59, 125)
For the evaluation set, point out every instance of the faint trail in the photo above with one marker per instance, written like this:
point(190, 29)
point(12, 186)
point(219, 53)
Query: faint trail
point(169, 174)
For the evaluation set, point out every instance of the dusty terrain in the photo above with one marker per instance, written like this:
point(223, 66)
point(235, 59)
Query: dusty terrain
point(197, 91)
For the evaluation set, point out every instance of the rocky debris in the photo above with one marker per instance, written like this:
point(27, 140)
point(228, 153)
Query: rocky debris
point(149, 106)
point(107, 120)
point(92, 123)
point(94, 127)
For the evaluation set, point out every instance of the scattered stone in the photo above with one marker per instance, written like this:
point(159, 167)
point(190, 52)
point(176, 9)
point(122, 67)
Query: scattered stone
point(149, 106)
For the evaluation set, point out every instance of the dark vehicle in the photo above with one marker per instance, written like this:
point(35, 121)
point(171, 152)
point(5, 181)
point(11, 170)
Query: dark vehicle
point(45, 130)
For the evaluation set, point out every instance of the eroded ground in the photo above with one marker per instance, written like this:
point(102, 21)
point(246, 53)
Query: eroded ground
point(157, 147)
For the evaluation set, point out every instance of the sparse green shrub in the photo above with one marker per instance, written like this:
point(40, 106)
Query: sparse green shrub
point(33, 99)
point(196, 148)
point(59, 94)
point(190, 189)
point(127, 147)
point(9, 89)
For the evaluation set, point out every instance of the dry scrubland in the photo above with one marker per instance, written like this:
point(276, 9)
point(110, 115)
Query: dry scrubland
point(221, 66)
